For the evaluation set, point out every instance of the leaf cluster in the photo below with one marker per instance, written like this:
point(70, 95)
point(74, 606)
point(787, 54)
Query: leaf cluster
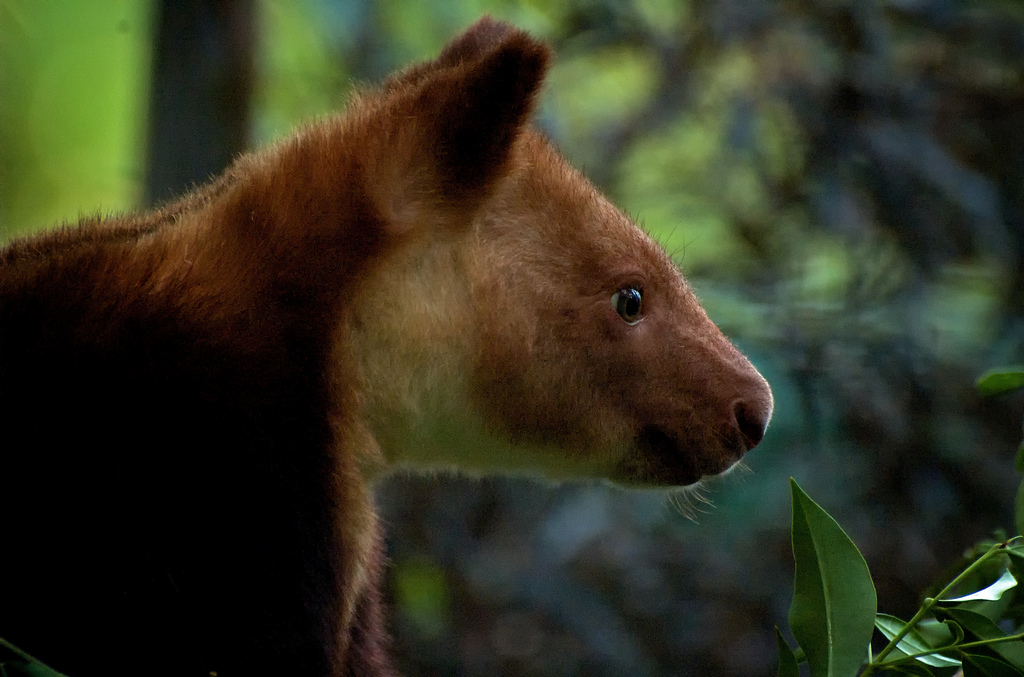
point(973, 626)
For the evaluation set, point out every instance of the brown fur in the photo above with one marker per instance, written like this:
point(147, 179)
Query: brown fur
point(195, 399)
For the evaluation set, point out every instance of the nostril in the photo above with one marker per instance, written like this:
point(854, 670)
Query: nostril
point(752, 422)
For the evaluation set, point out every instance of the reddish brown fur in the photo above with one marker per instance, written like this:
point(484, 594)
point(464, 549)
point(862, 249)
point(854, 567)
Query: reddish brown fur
point(208, 387)
point(688, 394)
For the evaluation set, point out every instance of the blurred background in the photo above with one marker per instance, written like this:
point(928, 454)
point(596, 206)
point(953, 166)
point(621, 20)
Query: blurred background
point(842, 181)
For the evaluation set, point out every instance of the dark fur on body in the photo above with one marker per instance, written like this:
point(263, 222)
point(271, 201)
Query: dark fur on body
point(175, 501)
point(179, 484)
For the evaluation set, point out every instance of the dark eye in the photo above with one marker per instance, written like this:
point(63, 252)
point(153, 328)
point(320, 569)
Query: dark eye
point(628, 303)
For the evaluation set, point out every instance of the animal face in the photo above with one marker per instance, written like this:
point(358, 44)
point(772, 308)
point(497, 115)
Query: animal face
point(518, 320)
point(554, 335)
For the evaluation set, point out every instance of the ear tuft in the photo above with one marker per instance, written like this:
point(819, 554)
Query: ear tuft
point(476, 41)
point(481, 37)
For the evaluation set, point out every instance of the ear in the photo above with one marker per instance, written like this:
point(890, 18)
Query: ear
point(484, 105)
point(483, 36)
point(459, 121)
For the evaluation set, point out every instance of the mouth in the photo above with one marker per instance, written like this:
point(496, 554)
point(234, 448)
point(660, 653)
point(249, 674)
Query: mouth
point(661, 459)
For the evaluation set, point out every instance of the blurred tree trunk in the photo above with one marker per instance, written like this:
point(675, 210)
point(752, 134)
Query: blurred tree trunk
point(201, 91)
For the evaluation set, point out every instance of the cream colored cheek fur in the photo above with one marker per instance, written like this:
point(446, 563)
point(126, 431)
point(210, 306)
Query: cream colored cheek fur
point(414, 337)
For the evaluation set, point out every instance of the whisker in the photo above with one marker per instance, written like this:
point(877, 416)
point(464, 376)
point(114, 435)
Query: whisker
point(691, 501)
point(699, 495)
point(742, 468)
point(682, 505)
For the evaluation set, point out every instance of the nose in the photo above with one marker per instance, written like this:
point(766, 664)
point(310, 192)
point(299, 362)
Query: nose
point(752, 415)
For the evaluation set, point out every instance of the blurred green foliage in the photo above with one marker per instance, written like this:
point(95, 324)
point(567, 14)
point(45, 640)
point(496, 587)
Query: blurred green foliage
point(422, 593)
point(73, 88)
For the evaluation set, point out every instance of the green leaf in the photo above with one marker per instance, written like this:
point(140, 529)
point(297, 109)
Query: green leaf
point(992, 593)
point(834, 602)
point(913, 642)
point(940, 633)
point(923, 670)
point(1004, 379)
point(16, 663)
point(33, 669)
point(983, 628)
point(977, 665)
point(788, 666)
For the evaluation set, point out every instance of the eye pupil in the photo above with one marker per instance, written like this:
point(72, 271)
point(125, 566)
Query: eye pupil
point(628, 303)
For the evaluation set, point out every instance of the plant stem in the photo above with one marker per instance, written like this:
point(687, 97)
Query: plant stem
point(955, 647)
point(989, 642)
point(929, 604)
